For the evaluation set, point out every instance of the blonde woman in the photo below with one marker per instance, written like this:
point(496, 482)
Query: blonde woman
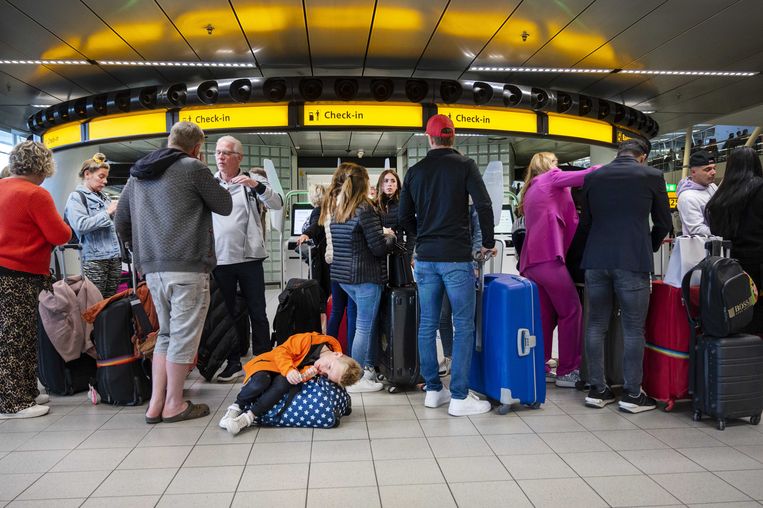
point(551, 221)
point(357, 250)
point(90, 213)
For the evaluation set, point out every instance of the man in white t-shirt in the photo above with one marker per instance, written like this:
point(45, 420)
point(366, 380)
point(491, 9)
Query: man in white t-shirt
point(694, 192)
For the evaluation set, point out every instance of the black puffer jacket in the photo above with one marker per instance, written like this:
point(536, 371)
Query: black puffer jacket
point(391, 220)
point(360, 250)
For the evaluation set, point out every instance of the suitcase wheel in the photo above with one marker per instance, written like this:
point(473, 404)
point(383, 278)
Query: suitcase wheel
point(503, 409)
point(393, 389)
point(697, 416)
point(669, 406)
point(755, 419)
point(534, 405)
point(721, 424)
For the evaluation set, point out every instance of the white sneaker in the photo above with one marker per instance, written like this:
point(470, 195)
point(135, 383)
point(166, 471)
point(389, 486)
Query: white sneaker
point(232, 412)
point(445, 364)
point(471, 405)
point(42, 398)
point(236, 425)
point(30, 412)
point(437, 399)
point(365, 385)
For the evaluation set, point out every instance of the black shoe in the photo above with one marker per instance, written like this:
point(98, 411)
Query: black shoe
point(599, 398)
point(232, 371)
point(637, 403)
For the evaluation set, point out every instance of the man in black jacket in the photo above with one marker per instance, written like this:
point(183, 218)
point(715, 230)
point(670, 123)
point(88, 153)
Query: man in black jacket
point(434, 205)
point(618, 200)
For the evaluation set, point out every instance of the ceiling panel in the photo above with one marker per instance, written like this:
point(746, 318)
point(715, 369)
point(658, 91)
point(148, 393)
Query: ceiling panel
point(463, 31)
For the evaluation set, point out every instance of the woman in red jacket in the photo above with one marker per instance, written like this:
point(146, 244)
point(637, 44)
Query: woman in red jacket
point(30, 228)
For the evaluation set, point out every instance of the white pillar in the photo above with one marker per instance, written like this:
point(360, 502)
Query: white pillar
point(687, 153)
point(602, 155)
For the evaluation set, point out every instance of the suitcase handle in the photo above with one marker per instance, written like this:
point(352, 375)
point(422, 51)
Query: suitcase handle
point(525, 342)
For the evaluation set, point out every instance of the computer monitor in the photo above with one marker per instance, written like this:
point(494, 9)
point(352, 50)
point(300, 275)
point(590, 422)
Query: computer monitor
point(507, 220)
point(300, 212)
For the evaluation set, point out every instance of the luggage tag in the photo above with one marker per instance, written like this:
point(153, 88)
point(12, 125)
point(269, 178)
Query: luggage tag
point(92, 395)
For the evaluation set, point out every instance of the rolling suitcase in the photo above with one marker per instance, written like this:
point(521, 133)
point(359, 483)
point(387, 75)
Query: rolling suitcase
point(299, 308)
point(508, 362)
point(398, 337)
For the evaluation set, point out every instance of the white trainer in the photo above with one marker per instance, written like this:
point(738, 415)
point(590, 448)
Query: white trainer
point(42, 398)
point(471, 405)
point(437, 399)
point(232, 412)
point(365, 385)
point(236, 425)
point(30, 412)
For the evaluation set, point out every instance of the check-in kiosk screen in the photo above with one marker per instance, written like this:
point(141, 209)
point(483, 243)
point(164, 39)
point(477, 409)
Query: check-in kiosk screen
point(300, 212)
point(507, 220)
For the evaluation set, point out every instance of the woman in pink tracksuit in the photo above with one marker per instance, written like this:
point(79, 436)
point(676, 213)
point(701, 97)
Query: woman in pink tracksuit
point(551, 221)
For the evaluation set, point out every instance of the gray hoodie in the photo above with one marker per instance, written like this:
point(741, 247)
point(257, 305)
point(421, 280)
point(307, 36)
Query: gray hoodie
point(692, 198)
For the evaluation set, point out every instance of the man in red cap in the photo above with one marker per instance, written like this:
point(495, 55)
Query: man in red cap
point(434, 204)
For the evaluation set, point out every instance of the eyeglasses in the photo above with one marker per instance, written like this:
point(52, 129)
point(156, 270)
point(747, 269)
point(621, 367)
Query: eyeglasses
point(225, 153)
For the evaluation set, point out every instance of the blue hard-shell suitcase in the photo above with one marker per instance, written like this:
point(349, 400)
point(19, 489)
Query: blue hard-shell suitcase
point(508, 362)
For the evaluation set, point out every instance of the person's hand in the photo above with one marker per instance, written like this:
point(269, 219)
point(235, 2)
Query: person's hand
point(302, 239)
point(388, 231)
point(112, 207)
point(294, 377)
point(493, 252)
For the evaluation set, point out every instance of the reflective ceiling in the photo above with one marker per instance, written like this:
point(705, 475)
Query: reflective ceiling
point(424, 38)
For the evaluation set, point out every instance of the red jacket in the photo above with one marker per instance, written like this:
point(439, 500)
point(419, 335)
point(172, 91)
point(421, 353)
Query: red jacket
point(30, 226)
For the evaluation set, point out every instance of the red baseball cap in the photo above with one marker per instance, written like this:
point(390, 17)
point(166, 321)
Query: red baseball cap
point(441, 126)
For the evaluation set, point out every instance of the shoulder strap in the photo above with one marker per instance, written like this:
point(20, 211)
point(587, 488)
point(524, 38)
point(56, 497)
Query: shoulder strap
point(140, 315)
point(685, 293)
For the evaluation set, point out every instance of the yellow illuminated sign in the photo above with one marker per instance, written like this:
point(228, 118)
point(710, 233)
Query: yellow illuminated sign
point(63, 135)
point(237, 117)
point(362, 115)
point(583, 128)
point(130, 124)
point(673, 200)
point(490, 119)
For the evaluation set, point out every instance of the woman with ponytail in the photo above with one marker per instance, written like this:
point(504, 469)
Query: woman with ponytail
point(90, 213)
point(356, 248)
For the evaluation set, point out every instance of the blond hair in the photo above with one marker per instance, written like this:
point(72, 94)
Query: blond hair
point(352, 373)
point(316, 195)
point(348, 190)
point(185, 136)
point(539, 164)
point(31, 158)
point(94, 163)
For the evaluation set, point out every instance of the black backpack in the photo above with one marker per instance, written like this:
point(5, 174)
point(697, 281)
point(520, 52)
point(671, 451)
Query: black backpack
point(299, 310)
point(727, 294)
point(74, 239)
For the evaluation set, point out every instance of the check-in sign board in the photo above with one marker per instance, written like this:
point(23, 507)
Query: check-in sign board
point(66, 134)
point(236, 117)
point(491, 119)
point(362, 115)
point(673, 200)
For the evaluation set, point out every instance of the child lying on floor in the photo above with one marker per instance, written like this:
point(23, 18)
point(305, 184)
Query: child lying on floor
point(270, 375)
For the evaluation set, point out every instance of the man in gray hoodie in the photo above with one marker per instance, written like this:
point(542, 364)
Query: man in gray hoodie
point(165, 215)
point(694, 192)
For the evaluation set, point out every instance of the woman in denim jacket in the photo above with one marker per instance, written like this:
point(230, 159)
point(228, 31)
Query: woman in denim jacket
point(90, 213)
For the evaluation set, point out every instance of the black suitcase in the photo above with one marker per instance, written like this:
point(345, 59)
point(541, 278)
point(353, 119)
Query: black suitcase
point(398, 337)
point(56, 375)
point(122, 376)
point(299, 310)
point(728, 378)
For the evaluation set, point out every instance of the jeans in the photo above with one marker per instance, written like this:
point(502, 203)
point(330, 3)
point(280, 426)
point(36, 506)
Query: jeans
point(339, 302)
point(457, 280)
point(632, 291)
point(446, 327)
point(250, 277)
point(367, 297)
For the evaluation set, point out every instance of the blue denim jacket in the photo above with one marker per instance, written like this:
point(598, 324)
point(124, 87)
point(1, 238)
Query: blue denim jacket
point(94, 228)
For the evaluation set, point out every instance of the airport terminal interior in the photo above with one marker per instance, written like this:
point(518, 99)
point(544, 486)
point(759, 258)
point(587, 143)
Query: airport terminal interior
point(308, 84)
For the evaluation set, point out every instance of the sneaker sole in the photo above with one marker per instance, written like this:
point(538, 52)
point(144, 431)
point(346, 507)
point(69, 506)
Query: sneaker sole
point(598, 403)
point(470, 412)
point(634, 408)
point(366, 390)
point(435, 406)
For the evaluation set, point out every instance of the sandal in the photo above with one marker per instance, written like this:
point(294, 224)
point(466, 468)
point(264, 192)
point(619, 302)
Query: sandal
point(152, 420)
point(191, 412)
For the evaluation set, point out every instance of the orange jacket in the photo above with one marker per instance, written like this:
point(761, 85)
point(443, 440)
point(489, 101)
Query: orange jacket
point(290, 354)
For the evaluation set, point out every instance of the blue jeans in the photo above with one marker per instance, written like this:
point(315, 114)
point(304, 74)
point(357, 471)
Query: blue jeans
point(339, 302)
point(446, 327)
point(367, 297)
point(632, 291)
point(457, 279)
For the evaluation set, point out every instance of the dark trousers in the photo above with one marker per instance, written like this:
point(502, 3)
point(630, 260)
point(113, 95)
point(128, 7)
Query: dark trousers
point(263, 391)
point(250, 277)
point(339, 302)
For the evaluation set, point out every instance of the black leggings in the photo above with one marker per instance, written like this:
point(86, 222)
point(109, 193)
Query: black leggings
point(263, 391)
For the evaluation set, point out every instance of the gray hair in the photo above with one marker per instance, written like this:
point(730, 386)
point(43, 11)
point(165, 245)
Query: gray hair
point(316, 195)
point(238, 147)
point(185, 136)
point(31, 158)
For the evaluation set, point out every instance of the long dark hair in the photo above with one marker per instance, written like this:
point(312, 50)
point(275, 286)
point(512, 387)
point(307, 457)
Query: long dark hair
point(382, 201)
point(742, 179)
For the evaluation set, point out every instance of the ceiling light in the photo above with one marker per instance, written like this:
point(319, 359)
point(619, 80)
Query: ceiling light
point(268, 133)
point(576, 70)
point(129, 63)
point(45, 62)
point(689, 73)
point(541, 69)
point(648, 111)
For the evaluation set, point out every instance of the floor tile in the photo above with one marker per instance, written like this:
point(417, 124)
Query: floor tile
point(199, 480)
point(385, 399)
point(603, 421)
point(122, 502)
point(80, 422)
point(134, 421)
point(737, 434)
point(599, 464)
point(165, 436)
point(404, 448)
point(506, 424)
point(685, 438)
point(12, 440)
point(45, 503)
point(473, 469)
point(337, 451)
point(450, 427)
point(30, 462)
point(218, 455)
point(428, 413)
point(156, 457)
point(125, 482)
point(31, 424)
point(356, 497)
point(280, 453)
point(699, 488)
point(631, 491)
point(394, 429)
point(420, 496)
point(560, 492)
point(63, 440)
point(660, 461)
point(630, 440)
point(11, 485)
point(749, 482)
point(215, 435)
point(269, 498)
point(740, 504)
point(408, 472)
point(270, 435)
point(211, 500)
point(346, 430)
point(517, 444)
point(342, 474)
point(720, 459)
point(274, 477)
point(117, 438)
point(658, 420)
point(375, 413)
point(559, 423)
point(531, 467)
point(460, 446)
point(91, 460)
point(567, 442)
point(65, 485)
point(489, 494)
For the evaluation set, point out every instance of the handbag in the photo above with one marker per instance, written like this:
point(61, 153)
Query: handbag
point(687, 252)
point(399, 267)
